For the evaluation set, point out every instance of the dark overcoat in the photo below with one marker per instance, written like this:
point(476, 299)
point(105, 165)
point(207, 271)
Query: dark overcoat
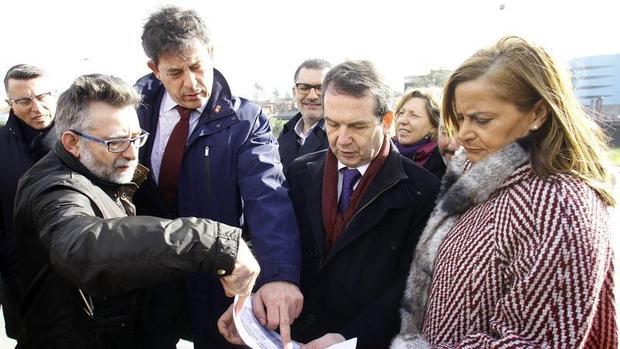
point(355, 288)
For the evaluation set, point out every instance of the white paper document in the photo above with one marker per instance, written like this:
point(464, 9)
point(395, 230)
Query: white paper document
point(256, 336)
point(350, 344)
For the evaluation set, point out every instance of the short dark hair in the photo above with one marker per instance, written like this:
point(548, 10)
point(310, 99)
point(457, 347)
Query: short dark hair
point(312, 63)
point(359, 79)
point(73, 104)
point(22, 72)
point(172, 29)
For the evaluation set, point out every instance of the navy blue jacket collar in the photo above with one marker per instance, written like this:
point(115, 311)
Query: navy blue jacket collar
point(221, 101)
point(38, 143)
point(12, 124)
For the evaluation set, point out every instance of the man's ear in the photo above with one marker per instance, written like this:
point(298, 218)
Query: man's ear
point(153, 66)
point(387, 121)
point(294, 99)
point(70, 141)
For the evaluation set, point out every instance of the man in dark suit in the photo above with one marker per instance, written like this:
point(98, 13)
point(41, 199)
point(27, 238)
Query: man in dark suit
point(305, 132)
point(361, 207)
point(27, 136)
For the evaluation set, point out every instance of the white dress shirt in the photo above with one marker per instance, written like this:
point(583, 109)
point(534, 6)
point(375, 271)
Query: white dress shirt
point(299, 130)
point(168, 118)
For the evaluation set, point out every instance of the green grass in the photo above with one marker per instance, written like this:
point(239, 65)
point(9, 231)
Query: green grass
point(276, 126)
point(615, 156)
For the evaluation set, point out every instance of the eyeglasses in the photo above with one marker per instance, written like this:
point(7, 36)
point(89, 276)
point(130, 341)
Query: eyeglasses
point(305, 88)
point(117, 145)
point(26, 102)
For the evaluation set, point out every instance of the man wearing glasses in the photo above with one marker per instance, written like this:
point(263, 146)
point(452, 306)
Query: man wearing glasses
point(305, 132)
point(26, 137)
point(85, 260)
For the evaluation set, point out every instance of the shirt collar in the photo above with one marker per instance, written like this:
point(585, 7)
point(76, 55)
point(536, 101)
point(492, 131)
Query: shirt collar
point(167, 104)
point(299, 128)
point(362, 169)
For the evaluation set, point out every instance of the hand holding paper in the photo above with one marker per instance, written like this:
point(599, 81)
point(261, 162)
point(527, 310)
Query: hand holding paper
point(247, 329)
point(227, 327)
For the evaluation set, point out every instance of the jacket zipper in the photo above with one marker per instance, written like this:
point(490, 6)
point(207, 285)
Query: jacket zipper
point(208, 172)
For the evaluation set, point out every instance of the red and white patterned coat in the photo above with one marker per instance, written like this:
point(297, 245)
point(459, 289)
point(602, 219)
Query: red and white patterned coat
point(531, 266)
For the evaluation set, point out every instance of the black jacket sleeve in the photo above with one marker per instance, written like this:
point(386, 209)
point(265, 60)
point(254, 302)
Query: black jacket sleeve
point(111, 256)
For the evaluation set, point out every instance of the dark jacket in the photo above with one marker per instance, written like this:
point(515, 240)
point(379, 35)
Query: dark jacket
point(230, 171)
point(288, 144)
point(424, 153)
point(435, 164)
point(73, 234)
point(18, 155)
point(355, 288)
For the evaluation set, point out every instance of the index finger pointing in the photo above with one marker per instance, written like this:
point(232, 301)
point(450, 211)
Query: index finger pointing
point(285, 329)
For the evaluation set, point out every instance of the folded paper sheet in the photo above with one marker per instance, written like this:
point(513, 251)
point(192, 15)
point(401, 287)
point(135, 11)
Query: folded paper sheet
point(256, 336)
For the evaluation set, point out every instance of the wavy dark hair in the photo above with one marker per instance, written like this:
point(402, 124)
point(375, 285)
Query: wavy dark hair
point(171, 30)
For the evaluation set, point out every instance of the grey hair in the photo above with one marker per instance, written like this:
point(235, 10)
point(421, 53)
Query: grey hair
point(359, 79)
point(171, 30)
point(312, 63)
point(22, 72)
point(73, 104)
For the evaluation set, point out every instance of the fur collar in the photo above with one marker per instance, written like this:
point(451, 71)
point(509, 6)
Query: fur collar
point(464, 186)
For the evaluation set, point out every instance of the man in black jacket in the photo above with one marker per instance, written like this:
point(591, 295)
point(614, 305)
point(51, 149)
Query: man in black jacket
point(83, 260)
point(361, 207)
point(26, 137)
point(305, 132)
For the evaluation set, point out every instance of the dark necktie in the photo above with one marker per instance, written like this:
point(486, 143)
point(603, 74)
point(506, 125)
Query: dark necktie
point(349, 178)
point(173, 155)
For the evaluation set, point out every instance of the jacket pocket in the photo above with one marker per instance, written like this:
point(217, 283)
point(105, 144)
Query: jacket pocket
point(117, 319)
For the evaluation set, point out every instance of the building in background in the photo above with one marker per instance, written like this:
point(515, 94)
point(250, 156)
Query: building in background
point(435, 78)
point(597, 84)
point(278, 108)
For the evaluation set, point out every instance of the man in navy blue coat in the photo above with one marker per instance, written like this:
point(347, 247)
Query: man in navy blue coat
point(211, 155)
point(305, 132)
point(26, 137)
